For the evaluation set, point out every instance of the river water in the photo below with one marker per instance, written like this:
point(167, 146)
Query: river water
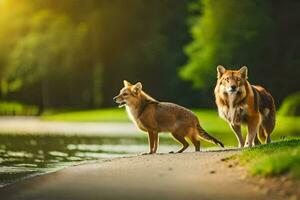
point(27, 155)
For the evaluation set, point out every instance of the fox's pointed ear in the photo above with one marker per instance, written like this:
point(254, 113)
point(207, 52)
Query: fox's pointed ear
point(244, 72)
point(137, 87)
point(126, 83)
point(221, 70)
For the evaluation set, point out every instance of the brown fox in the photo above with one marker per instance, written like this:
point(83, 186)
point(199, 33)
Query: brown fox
point(240, 102)
point(153, 117)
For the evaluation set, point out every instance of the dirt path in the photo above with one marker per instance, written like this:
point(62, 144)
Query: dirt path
point(184, 176)
point(34, 125)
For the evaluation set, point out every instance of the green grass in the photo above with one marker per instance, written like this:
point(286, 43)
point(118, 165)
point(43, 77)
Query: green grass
point(277, 158)
point(291, 105)
point(101, 115)
point(285, 126)
point(15, 108)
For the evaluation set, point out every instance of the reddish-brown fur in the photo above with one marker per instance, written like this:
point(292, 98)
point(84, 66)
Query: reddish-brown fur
point(153, 117)
point(240, 102)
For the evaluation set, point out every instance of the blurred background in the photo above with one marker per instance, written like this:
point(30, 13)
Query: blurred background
point(61, 63)
point(74, 55)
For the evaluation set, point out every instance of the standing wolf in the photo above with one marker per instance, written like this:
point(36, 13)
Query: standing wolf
point(153, 117)
point(239, 102)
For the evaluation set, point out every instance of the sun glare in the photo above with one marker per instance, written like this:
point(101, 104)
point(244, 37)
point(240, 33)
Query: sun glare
point(2, 1)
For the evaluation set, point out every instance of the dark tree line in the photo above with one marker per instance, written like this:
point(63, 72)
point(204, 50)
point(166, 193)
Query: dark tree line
point(75, 54)
point(264, 35)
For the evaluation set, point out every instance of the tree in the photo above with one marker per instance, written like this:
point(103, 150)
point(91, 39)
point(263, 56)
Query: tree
point(135, 43)
point(232, 33)
point(48, 52)
point(260, 34)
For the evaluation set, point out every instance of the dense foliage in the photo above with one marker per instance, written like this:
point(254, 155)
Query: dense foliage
point(75, 54)
point(260, 34)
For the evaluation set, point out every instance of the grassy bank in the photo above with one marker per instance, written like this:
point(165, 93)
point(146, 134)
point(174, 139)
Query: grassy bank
point(101, 115)
point(277, 158)
point(15, 108)
point(285, 126)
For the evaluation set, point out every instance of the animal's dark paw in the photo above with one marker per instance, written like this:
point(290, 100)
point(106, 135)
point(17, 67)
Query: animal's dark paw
point(171, 152)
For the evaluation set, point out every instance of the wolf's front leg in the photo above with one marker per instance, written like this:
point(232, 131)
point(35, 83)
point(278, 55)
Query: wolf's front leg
point(156, 142)
point(151, 140)
point(253, 126)
point(238, 134)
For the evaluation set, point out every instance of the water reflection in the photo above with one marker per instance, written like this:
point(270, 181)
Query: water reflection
point(28, 155)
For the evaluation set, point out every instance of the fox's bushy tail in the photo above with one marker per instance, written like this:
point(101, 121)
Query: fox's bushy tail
point(270, 119)
point(203, 134)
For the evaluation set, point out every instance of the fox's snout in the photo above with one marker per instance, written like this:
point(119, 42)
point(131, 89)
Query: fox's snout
point(119, 100)
point(115, 98)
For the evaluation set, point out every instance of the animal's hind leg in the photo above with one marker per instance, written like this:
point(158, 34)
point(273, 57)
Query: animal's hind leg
point(182, 140)
point(256, 140)
point(196, 142)
point(261, 135)
point(268, 138)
